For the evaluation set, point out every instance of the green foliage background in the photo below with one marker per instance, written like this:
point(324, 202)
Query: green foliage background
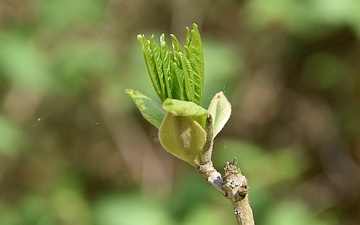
point(75, 150)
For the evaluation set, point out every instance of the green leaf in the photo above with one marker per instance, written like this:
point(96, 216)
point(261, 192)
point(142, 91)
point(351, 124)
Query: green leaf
point(194, 54)
point(220, 110)
point(189, 81)
point(183, 137)
point(177, 77)
point(150, 64)
point(149, 109)
point(158, 67)
point(176, 44)
point(166, 60)
point(184, 108)
point(188, 76)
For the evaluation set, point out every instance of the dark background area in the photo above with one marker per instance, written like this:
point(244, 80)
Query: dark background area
point(75, 150)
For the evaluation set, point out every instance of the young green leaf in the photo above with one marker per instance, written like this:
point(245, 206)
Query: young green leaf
point(188, 109)
point(194, 54)
point(158, 67)
point(183, 137)
point(175, 44)
point(220, 110)
point(166, 60)
point(188, 76)
point(176, 75)
point(149, 109)
point(151, 66)
point(177, 78)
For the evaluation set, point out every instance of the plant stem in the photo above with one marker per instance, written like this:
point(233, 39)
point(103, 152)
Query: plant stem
point(213, 177)
point(237, 188)
point(233, 186)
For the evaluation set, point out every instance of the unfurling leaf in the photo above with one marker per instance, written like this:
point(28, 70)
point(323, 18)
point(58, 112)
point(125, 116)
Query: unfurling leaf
point(148, 52)
point(184, 108)
point(194, 54)
point(186, 130)
point(176, 75)
point(220, 110)
point(149, 109)
point(183, 137)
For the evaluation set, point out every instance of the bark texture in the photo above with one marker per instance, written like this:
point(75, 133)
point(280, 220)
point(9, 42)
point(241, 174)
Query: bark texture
point(233, 185)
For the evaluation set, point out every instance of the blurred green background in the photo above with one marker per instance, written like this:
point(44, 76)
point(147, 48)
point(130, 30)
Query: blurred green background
point(75, 150)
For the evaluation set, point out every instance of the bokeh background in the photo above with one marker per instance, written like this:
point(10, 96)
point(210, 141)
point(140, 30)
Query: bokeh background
point(74, 149)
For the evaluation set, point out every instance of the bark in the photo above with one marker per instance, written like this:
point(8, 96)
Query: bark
point(233, 185)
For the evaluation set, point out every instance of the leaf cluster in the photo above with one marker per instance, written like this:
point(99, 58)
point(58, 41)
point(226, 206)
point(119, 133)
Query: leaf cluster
point(186, 129)
point(175, 74)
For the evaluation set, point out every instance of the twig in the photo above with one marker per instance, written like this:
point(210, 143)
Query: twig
point(212, 176)
point(237, 188)
point(233, 186)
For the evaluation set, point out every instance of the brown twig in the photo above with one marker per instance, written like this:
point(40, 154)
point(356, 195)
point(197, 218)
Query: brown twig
point(233, 185)
point(237, 188)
